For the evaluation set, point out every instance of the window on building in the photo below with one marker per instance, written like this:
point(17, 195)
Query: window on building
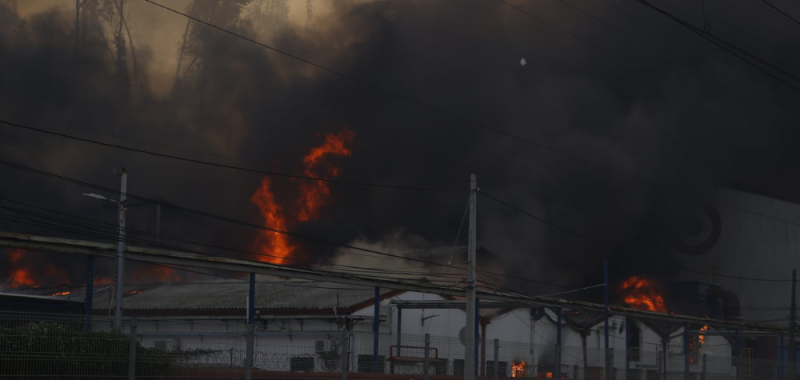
point(301, 364)
point(365, 363)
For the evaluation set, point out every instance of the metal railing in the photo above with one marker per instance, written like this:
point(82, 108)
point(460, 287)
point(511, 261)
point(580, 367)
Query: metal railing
point(47, 345)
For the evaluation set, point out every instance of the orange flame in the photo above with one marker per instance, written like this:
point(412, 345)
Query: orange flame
point(275, 245)
point(701, 338)
point(644, 294)
point(156, 273)
point(102, 280)
point(518, 370)
point(313, 195)
point(22, 274)
point(65, 293)
point(21, 277)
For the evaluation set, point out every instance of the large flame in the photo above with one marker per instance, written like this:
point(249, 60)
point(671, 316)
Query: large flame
point(518, 369)
point(275, 246)
point(23, 272)
point(644, 294)
point(312, 196)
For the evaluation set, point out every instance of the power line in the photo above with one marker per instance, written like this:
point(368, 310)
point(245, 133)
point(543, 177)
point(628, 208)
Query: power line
point(729, 47)
point(108, 231)
point(607, 23)
point(781, 12)
point(436, 109)
point(226, 166)
point(125, 137)
point(583, 237)
point(252, 225)
point(112, 231)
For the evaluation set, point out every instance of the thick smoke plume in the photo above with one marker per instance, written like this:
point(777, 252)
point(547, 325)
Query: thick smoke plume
point(659, 104)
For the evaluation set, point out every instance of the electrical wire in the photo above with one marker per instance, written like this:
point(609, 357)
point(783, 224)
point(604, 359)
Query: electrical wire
point(213, 216)
point(112, 235)
point(729, 47)
point(486, 126)
point(781, 12)
point(583, 237)
point(226, 166)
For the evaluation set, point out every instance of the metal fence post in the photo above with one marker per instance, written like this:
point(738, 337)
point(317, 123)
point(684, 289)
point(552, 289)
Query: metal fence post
point(705, 363)
point(248, 365)
point(427, 356)
point(251, 327)
point(345, 348)
point(497, 358)
point(132, 351)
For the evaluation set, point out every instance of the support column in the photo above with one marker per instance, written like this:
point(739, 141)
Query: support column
point(664, 358)
point(686, 351)
point(705, 366)
point(251, 319)
point(738, 357)
point(376, 326)
point(89, 291)
point(496, 370)
point(477, 334)
point(345, 349)
point(470, 361)
point(132, 351)
point(628, 328)
point(609, 375)
point(557, 371)
point(425, 365)
point(781, 363)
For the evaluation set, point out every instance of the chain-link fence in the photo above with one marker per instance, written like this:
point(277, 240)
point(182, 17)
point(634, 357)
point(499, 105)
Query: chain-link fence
point(39, 345)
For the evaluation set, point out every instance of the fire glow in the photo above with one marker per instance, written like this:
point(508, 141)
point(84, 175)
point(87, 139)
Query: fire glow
point(275, 246)
point(701, 338)
point(23, 273)
point(643, 294)
point(518, 369)
point(65, 293)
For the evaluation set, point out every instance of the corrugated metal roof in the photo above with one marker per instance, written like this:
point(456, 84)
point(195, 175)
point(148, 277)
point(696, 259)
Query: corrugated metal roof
point(308, 295)
point(233, 295)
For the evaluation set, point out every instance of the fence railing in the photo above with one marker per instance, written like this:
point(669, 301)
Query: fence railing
point(41, 345)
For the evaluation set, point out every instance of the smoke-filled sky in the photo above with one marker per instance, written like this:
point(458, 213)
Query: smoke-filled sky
point(609, 82)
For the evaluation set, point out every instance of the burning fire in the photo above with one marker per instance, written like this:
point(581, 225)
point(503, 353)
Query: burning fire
point(518, 370)
point(701, 338)
point(102, 280)
point(65, 293)
point(23, 271)
point(644, 294)
point(155, 273)
point(312, 196)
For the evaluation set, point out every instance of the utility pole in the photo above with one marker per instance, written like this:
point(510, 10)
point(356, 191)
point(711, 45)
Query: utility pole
point(793, 328)
point(469, 329)
point(605, 325)
point(121, 249)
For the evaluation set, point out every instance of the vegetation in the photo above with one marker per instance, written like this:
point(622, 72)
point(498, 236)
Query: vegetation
point(54, 349)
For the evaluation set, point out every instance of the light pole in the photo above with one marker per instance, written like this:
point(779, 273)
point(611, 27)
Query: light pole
point(120, 244)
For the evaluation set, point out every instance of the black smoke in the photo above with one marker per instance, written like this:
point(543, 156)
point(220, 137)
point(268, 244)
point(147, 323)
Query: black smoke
point(658, 103)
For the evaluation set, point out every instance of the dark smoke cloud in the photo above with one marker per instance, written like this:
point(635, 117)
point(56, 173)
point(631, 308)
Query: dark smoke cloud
point(673, 110)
